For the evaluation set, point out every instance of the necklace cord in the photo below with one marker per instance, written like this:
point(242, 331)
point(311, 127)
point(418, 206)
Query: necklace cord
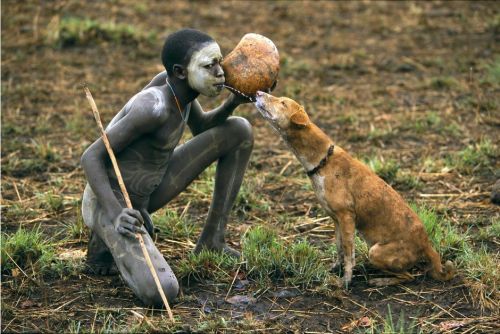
point(176, 100)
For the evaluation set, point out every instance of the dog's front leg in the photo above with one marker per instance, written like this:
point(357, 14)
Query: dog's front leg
point(347, 230)
point(340, 252)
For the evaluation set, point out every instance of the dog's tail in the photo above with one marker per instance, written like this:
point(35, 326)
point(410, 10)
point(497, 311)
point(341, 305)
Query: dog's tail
point(437, 271)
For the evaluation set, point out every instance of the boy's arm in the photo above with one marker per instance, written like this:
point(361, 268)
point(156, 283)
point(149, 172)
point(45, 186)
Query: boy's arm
point(200, 121)
point(138, 121)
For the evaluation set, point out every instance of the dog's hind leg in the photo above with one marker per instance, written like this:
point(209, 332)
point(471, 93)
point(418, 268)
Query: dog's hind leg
point(394, 258)
point(347, 231)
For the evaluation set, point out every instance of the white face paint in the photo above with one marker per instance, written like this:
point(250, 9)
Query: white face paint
point(201, 76)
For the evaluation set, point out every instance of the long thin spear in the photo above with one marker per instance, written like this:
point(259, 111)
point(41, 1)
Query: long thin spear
point(127, 199)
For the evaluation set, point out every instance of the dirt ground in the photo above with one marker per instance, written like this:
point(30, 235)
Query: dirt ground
point(410, 82)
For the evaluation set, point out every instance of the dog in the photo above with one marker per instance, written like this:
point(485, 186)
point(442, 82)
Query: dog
point(356, 198)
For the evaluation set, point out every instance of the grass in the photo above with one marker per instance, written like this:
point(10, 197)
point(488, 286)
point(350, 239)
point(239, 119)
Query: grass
point(173, 225)
point(218, 324)
point(250, 196)
point(20, 167)
point(264, 254)
point(431, 120)
point(51, 201)
point(203, 186)
point(26, 248)
point(446, 239)
point(490, 232)
point(482, 275)
point(207, 264)
point(443, 83)
point(108, 322)
point(18, 211)
point(77, 229)
point(75, 31)
point(473, 157)
point(479, 267)
point(390, 172)
point(30, 249)
point(492, 72)
point(78, 124)
point(291, 66)
point(386, 169)
point(269, 259)
point(304, 265)
point(376, 134)
point(390, 326)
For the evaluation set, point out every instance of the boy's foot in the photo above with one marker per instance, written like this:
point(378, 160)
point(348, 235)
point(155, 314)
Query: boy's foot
point(99, 258)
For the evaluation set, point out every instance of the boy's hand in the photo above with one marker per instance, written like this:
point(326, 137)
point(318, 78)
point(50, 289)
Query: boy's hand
point(129, 222)
point(238, 99)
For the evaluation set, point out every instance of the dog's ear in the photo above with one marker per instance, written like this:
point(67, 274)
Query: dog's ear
point(299, 118)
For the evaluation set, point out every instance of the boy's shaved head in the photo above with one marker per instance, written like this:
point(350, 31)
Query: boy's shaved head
point(180, 45)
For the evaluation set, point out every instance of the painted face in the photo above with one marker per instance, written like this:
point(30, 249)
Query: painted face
point(205, 75)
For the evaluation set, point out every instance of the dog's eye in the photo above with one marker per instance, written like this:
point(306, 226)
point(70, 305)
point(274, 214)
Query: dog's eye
point(283, 103)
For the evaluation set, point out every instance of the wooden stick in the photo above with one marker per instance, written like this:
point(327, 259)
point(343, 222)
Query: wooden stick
point(127, 199)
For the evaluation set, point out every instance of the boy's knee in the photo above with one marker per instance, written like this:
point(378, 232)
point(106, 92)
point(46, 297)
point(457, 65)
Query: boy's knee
point(241, 129)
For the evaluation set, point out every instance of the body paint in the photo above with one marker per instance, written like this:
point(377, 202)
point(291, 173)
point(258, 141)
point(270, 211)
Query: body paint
point(200, 78)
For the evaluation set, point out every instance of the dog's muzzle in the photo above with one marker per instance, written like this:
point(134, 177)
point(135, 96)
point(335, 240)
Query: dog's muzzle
point(261, 105)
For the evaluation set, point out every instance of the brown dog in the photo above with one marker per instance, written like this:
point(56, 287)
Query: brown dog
point(355, 197)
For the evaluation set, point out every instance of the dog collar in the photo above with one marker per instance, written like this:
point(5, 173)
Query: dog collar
point(322, 163)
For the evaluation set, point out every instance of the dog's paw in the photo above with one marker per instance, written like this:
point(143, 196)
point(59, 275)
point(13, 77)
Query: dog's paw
point(346, 280)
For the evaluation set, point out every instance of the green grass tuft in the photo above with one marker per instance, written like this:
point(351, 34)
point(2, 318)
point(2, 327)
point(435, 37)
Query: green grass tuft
point(390, 172)
point(77, 229)
point(431, 120)
point(22, 167)
point(250, 196)
point(269, 259)
point(443, 83)
point(51, 201)
point(482, 275)
point(45, 151)
point(387, 170)
point(399, 327)
point(75, 31)
point(475, 156)
point(264, 254)
point(390, 326)
point(25, 248)
point(304, 265)
point(173, 226)
point(480, 267)
point(493, 72)
point(446, 239)
point(207, 265)
point(490, 232)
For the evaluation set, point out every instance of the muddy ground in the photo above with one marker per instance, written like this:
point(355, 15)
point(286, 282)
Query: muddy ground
point(410, 82)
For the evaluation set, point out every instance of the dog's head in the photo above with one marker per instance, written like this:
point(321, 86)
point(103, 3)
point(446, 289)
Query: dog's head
point(284, 114)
